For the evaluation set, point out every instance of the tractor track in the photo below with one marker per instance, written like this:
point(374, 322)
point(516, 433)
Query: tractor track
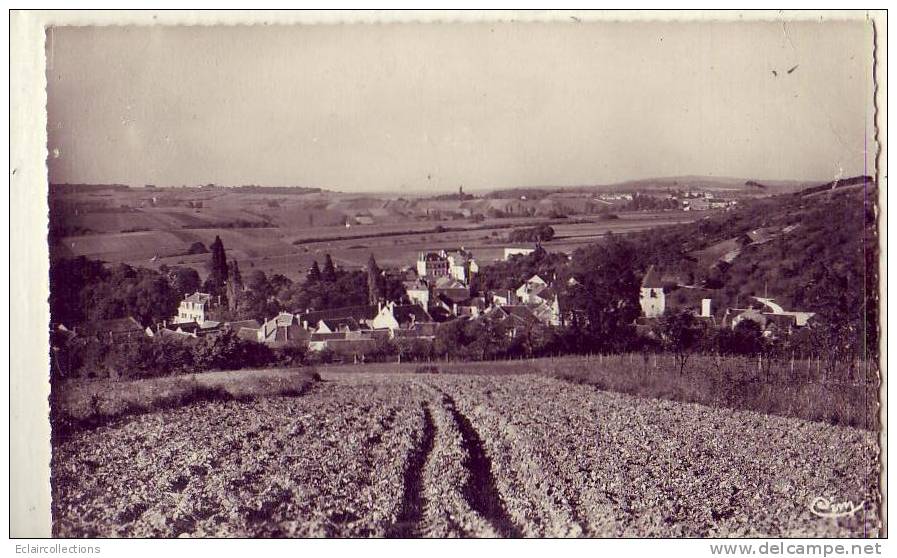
point(480, 490)
point(408, 523)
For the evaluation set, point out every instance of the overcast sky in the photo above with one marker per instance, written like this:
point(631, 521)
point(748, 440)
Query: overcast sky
point(387, 107)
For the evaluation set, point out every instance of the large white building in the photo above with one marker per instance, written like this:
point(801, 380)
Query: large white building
point(652, 298)
point(457, 264)
point(194, 308)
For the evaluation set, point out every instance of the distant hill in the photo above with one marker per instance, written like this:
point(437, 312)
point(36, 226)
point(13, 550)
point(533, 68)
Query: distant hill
point(814, 250)
point(739, 186)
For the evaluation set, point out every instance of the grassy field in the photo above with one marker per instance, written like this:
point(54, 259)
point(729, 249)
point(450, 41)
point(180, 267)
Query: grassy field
point(151, 228)
point(460, 455)
point(89, 403)
point(799, 389)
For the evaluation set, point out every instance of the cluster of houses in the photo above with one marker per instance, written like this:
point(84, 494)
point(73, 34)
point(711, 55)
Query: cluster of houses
point(440, 289)
point(657, 298)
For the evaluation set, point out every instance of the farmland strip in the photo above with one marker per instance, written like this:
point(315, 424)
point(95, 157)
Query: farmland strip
point(480, 490)
point(408, 523)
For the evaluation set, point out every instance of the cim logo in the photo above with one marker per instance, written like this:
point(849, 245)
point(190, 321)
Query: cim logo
point(826, 507)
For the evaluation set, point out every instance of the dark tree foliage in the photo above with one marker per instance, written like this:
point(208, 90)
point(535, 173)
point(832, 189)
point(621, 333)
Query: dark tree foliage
point(197, 248)
point(510, 274)
point(314, 273)
point(681, 335)
point(827, 263)
point(227, 351)
point(375, 281)
point(145, 357)
point(258, 282)
point(607, 292)
point(540, 233)
point(278, 282)
point(218, 269)
point(349, 289)
point(234, 285)
point(185, 280)
point(68, 277)
point(329, 271)
point(82, 289)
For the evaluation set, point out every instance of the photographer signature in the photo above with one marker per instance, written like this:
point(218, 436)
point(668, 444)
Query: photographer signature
point(826, 507)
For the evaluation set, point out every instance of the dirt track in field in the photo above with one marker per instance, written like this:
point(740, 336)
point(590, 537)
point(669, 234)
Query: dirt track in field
point(407, 455)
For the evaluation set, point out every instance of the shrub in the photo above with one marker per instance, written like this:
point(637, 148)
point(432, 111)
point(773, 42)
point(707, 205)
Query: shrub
point(197, 248)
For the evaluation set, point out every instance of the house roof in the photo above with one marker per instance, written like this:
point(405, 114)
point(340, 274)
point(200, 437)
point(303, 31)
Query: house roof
point(351, 324)
point(327, 336)
point(286, 333)
point(450, 297)
point(445, 283)
point(403, 313)
point(474, 302)
point(520, 312)
point(543, 313)
point(416, 285)
point(248, 324)
point(285, 319)
point(651, 280)
point(546, 293)
point(198, 297)
point(359, 313)
point(165, 332)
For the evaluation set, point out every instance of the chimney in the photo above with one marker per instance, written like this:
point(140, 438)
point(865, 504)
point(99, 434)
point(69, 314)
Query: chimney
point(705, 307)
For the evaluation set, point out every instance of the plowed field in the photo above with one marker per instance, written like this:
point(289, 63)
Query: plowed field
point(403, 455)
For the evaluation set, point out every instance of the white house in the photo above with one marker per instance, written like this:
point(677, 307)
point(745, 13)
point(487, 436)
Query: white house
point(418, 292)
point(393, 317)
point(457, 264)
point(194, 308)
point(526, 291)
point(652, 298)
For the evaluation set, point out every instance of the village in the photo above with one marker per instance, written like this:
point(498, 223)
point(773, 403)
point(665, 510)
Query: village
point(440, 288)
point(497, 274)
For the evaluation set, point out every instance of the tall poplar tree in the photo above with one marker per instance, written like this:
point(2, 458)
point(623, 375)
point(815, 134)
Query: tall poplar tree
point(329, 271)
point(375, 281)
point(314, 273)
point(234, 285)
point(218, 269)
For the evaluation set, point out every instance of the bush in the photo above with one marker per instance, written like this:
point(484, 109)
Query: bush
point(535, 234)
point(226, 351)
point(197, 248)
point(427, 369)
point(145, 357)
point(288, 356)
